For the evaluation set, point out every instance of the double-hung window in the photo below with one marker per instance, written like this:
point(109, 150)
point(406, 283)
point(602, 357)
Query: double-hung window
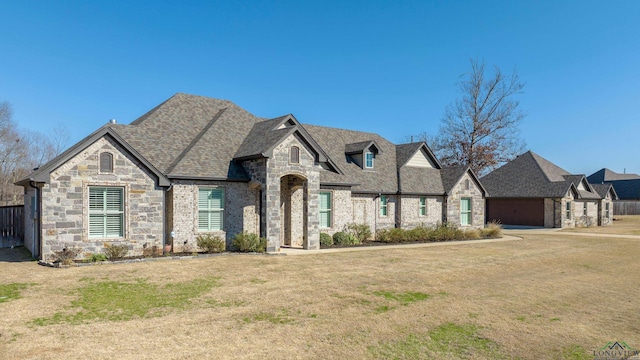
point(384, 202)
point(568, 210)
point(106, 212)
point(325, 209)
point(368, 160)
point(423, 206)
point(606, 210)
point(210, 209)
point(465, 211)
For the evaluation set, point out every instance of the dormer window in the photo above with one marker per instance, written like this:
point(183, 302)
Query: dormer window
point(106, 162)
point(368, 160)
point(294, 155)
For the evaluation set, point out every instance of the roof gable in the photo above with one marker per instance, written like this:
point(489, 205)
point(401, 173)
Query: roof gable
point(42, 174)
point(416, 155)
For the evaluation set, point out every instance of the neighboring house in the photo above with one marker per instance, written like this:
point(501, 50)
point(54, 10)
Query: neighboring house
point(627, 187)
point(196, 165)
point(532, 191)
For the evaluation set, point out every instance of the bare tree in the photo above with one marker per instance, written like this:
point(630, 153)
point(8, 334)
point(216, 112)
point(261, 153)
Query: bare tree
point(480, 129)
point(23, 150)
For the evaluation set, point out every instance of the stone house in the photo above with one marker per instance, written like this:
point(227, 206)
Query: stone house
point(532, 191)
point(196, 165)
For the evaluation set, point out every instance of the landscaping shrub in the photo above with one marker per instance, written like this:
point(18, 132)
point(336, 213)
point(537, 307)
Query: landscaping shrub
point(446, 232)
point(115, 252)
point(419, 233)
point(210, 243)
point(362, 232)
point(66, 255)
point(326, 239)
point(471, 234)
point(249, 242)
point(343, 238)
point(97, 257)
point(493, 230)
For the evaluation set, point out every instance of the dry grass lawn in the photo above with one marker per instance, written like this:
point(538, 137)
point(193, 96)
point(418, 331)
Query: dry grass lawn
point(623, 224)
point(543, 297)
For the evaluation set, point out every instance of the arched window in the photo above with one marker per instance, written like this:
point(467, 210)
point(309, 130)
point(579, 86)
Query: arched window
point(106, 162)
point(467, 184)
point(294, 155)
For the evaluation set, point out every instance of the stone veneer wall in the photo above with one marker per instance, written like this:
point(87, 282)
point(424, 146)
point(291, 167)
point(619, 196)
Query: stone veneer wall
point(591, 219)
point(602, 213)
point(240, 211)
point(367, 207)
point(65, 203)
point(278, 166)
point(561, 215)
point(341, 208)
point(410, 211)
point(477, 202)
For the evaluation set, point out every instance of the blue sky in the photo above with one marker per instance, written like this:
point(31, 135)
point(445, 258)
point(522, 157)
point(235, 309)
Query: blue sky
point(389, 67)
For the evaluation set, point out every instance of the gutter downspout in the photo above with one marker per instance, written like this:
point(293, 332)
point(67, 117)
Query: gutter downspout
point(36, 224)
point(376, 213)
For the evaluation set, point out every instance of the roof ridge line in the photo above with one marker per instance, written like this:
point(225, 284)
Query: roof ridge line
point(195, 140)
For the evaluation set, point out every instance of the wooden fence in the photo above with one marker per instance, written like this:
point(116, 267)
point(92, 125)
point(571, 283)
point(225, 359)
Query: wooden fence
point(11, 226)
point(626, 207)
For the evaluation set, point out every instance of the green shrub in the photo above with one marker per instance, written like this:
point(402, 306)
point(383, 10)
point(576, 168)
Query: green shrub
point(66, 255)
point(326, 239)
point(391, 235)
point(446, 232)
point(97, 257)
point(362, 232)
point(249, 242)
point(492, 230)
point(210, 243)
point(419, 233)
point(471, 234)
point(115, 252)
point(343, 238)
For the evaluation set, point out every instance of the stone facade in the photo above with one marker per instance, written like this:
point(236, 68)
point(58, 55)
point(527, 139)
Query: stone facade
point(586, 213)
point(409, 212)
point(605, 211)
point(65, 203)
point(466, 188)
point(306, 169)
point(240, 212)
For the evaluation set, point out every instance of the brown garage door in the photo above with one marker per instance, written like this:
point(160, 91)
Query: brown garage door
point(516, 211)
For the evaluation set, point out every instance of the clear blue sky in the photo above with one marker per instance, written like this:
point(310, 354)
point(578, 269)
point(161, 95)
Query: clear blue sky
point(389, 67)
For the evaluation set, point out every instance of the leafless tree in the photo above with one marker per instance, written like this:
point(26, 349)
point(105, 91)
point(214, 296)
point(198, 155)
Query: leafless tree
point(480, 129)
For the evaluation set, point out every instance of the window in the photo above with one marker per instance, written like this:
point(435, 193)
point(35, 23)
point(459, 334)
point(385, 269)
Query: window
point(606, 210)
point(383, 205)
point(465, 211)
point(423, 206)
point(467, 184)
point(106, 162)
point(568, 210)
point(210, 209)
point(584, 209)
point(294, 155)
point(106, 212)
point(325, 209)
point(368, 160)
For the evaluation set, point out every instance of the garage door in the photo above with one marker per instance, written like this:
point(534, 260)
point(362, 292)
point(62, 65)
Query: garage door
point(528, 212)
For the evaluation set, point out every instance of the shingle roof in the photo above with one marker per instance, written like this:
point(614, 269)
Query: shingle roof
point(604, 189)
point(627, 189)
point(606, 175)
point(527, 176)
point(383, 178)
point(192, 136)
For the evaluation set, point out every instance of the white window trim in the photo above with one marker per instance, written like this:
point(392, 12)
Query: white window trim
point(366, 154)
point(220, 210)
point(104, 212)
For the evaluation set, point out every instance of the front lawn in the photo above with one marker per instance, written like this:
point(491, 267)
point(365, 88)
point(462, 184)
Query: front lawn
point(547, 296)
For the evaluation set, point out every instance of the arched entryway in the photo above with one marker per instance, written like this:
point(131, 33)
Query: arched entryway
point(293, 211)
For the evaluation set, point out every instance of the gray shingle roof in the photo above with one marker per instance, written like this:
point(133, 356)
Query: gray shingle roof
point(603, 189)
point(383, 178)
point(527, 176)
point(191, 136)
point(606, 175)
